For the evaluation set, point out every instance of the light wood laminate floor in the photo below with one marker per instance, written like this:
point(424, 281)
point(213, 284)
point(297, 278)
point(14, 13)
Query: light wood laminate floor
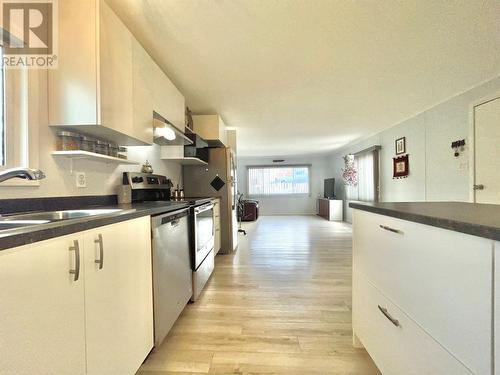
point(280, 305)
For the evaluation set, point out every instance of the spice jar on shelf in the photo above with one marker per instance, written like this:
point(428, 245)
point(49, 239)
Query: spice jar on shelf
point(102, 147)
point(122, 152)
point(112, 149)
point(88, 144)
point(68, 141)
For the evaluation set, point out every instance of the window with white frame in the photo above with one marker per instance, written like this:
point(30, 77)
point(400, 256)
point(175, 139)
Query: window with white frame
point(16, 150)
point(22, 103)
point(279, 180)
point(2, 111)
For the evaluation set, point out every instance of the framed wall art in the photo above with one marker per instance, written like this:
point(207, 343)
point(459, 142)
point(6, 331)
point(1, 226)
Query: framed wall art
point(400, 145)
point(401, 167)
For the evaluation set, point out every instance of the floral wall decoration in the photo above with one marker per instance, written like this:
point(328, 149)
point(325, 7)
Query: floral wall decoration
point(401, 166)
point(349, 173)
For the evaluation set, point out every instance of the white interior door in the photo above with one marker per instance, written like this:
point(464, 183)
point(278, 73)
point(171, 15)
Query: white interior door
point(487, 152)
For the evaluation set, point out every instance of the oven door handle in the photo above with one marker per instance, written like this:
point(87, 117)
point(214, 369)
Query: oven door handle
point(204, 208)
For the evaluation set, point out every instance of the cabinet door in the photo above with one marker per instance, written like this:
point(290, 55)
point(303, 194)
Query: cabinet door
point(441, 278)
point(142, 93)
point(168, 101)
point(42, 327)
point(72, 87)
point(496, 307)
point(395, 342)
point(115, 73)
point(118, 297)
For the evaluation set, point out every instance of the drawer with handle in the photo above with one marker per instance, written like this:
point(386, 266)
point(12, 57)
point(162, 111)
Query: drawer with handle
point(440, 278)
point(395, 342)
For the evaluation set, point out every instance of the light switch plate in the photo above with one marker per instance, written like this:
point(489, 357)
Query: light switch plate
point(81, 180)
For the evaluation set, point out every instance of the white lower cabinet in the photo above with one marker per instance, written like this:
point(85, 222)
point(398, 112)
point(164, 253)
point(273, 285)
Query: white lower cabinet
point(439, 280)
point(118, 297)
point(396, 343)
point(42, 317)
point(95, 320)
point(496, 298)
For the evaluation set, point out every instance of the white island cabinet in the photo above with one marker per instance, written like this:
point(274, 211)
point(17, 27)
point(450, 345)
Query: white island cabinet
point(422, 296)
point(78, 304)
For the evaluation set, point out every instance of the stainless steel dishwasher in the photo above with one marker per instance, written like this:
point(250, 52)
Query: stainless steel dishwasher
point(172, 283)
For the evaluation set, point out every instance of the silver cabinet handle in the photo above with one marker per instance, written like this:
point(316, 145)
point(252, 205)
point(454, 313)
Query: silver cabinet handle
point(383, 310)
point(76, 271)
point(385, 227)
point(100, 261)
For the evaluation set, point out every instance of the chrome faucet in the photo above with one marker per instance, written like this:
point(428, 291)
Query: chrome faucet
point(26, 173)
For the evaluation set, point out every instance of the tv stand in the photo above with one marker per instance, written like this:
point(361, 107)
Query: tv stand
point(331, 209)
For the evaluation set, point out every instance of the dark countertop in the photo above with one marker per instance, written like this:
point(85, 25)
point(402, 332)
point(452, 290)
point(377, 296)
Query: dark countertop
point(26, 235)
point(196, 201)
point(481, 220)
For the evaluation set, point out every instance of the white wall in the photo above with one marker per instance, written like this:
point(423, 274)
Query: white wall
point(102, 178)
point(287, 205)
point(435, 174)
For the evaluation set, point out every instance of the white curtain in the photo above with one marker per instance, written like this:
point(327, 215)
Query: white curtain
point(278, 180)
point(365, 164)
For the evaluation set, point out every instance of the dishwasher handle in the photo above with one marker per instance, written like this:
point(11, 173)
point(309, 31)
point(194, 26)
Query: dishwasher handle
point(174, 218)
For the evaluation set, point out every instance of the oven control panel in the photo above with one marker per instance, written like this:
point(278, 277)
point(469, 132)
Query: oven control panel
point(138, 180)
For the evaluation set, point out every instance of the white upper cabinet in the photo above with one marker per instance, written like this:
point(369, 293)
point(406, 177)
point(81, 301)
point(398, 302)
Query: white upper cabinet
point(116, 72)
point(167, 100)
point(142, 93)
point(106, 84)
point(153, 91)
point(211, 128)
point(92, 89)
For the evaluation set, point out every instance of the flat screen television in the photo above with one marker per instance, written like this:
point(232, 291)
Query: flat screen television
point(329, 190)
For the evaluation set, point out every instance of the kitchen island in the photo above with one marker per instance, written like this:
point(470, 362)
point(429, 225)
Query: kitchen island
point(424, 286)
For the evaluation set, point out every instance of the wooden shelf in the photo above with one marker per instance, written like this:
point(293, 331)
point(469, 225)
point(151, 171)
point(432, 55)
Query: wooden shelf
point(188, 161)
point(78, 154)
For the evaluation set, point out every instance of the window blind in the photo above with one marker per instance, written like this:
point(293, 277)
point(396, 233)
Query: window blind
point(279, 180)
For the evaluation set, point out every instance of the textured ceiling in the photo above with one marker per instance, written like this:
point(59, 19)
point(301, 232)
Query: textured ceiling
point(300, 76)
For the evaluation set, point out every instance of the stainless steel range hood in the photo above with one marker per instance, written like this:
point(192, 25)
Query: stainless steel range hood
point(166, 134)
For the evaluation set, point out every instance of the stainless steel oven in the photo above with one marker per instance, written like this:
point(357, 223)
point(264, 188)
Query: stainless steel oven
point(204, 232)
point(202, 246)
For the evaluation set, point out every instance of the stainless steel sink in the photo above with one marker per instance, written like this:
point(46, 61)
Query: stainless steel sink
point(49, 216)
point(11, 224)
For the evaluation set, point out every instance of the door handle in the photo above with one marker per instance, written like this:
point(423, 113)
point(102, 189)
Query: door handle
point(384, 311)
point(478, 187)
point(100, 261)
point(385, 227)
point(76, 271)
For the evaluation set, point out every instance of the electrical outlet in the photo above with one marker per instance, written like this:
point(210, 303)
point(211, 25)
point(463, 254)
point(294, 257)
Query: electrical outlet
point(81, 180)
